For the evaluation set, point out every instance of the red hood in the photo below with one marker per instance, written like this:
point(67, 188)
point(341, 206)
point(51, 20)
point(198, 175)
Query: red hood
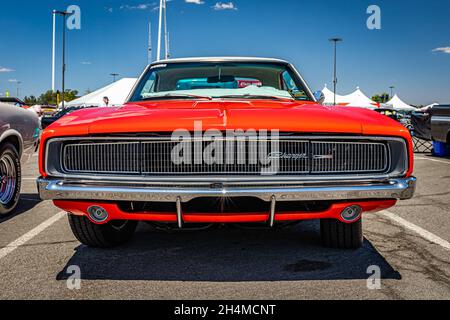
point(166, 116)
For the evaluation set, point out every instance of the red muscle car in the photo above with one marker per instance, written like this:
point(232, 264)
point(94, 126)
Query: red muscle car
point(266, 153)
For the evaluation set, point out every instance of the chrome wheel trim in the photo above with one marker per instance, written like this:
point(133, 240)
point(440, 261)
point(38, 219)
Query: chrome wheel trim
point(8, 178)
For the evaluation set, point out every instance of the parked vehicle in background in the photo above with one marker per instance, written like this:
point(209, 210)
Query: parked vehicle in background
point(440, 123)
point(193, 145)
point(403, 117)
point(49, 119)
point(19, 138)
point(14, 101)
point(37, 108)
point(48, 110)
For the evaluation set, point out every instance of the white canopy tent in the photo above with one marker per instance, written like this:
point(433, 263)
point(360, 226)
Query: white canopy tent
point(116, 92)
point(398, 104)
point(329, 97)
point(354, 99)
point(359, 99)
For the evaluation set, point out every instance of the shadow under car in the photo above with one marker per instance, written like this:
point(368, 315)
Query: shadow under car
point(227, 253)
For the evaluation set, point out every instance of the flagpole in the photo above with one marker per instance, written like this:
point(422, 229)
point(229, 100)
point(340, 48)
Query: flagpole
point(166, 55)
point(158, 54)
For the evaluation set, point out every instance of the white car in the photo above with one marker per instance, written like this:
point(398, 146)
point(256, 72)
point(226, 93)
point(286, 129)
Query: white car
point(19, 138)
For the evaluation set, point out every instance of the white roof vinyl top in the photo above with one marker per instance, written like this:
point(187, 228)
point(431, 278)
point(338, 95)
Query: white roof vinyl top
point(221, 59)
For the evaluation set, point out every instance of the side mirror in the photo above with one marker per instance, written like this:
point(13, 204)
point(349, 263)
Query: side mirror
point(319, 96)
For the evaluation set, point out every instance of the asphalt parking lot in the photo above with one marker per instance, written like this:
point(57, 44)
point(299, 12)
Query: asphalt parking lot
point(409, 243)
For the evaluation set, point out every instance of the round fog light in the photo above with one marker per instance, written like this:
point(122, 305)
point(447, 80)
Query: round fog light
point(98, 214)
point(351, 213)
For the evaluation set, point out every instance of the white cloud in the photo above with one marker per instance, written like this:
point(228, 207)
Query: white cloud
point(442, 49)
point(195, 1)
point(3, 69)
point(86, 63)
point(141, 6)
point(109, 9)
point(224, 6)
point(13, 80)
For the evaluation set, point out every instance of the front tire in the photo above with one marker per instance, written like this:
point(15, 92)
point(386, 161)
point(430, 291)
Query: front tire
point(10, 178)
point(337, 234)
point(111, 234)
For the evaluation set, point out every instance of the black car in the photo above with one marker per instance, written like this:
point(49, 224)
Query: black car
point(440, 123)
point(14, 101)
point(48, 120)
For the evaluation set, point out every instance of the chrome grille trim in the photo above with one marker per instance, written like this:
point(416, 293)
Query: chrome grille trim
point(370, 157)
point(243, 166)
point(130, 158)
point(126, 158)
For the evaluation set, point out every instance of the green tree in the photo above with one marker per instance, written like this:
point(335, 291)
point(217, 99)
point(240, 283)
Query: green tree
point(31, 100)
point(70, 95)
point(50, 97)
point(381, 98)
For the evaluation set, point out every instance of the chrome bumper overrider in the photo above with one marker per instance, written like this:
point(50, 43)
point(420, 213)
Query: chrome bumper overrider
point(60, 189)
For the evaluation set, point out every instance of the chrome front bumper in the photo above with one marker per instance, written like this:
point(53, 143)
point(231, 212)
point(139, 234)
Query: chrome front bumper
point(60, 189)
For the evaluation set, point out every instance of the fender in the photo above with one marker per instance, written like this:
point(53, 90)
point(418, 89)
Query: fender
point(13, 133)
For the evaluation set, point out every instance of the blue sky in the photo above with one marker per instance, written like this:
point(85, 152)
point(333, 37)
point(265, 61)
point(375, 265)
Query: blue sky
point(113, 38)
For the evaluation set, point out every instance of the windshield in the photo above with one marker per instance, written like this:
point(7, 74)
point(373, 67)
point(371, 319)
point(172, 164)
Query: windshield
point(220, 80)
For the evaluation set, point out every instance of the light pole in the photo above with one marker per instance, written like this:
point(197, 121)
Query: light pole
point(17, 88)
point(114, 75)
point(53, 49)
point(17, 82)
point(64, 16)
point(149, 55)
point(335, 40)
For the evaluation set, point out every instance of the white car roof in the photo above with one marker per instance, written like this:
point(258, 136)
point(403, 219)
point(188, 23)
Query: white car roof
point(221, 59)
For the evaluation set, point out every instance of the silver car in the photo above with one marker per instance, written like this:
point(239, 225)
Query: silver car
point(19, 137)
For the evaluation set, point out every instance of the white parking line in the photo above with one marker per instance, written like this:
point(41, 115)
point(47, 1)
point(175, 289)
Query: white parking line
point(420, 231)
point(26, 178)
point(430, 159)
point(30, 234)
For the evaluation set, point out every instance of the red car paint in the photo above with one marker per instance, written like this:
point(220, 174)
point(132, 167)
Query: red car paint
point(115, 213)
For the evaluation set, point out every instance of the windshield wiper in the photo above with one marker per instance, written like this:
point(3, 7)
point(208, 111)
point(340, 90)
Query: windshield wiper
point(256, 96)
point(177, 96)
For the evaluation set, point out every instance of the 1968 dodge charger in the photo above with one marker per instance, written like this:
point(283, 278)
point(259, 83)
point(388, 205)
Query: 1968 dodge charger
point(223, 140)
